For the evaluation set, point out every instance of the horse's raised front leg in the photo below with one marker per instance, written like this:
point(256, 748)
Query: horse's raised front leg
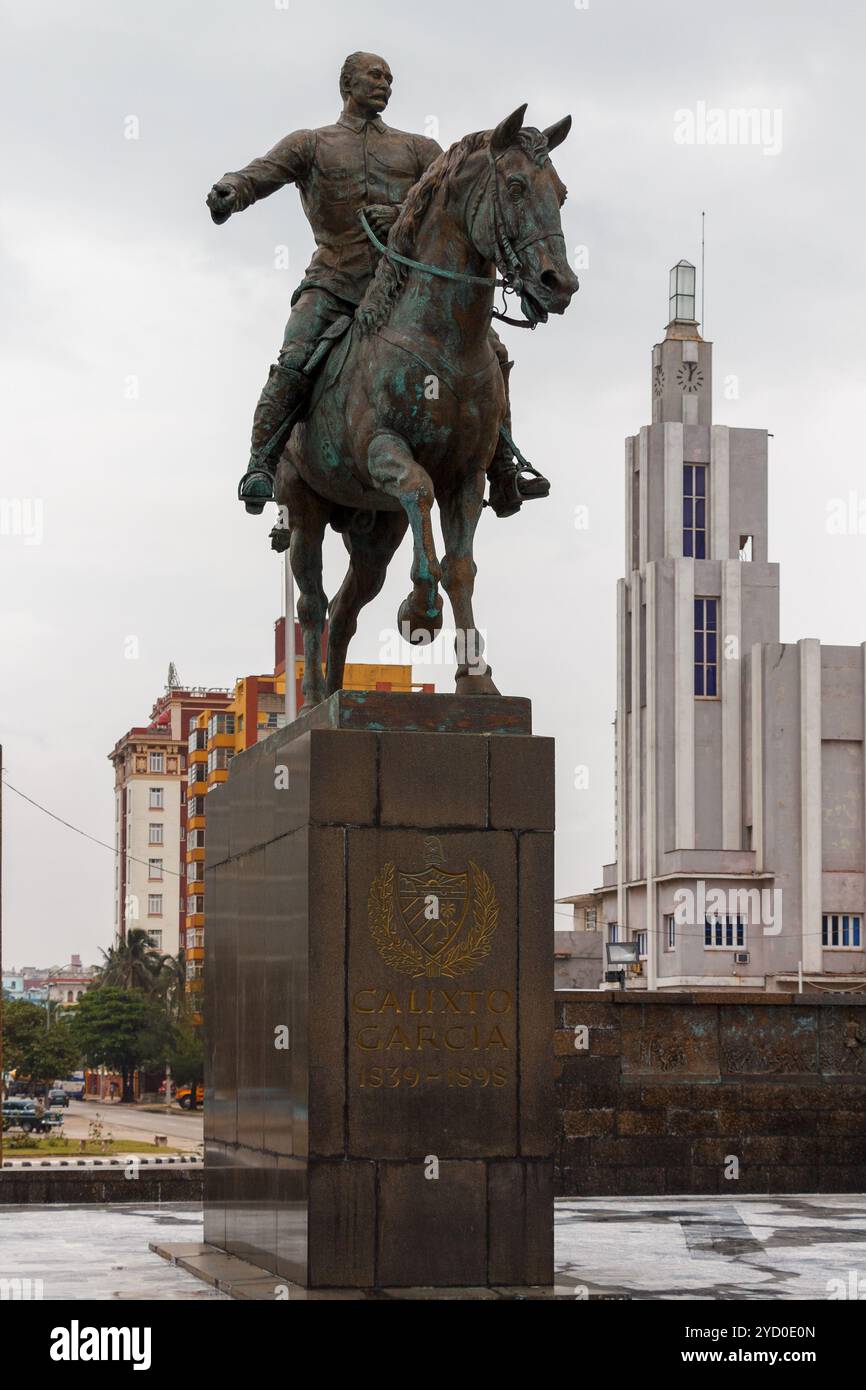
point(308, 517)
point(458, 514)
point(369, 555)
point(394, 468)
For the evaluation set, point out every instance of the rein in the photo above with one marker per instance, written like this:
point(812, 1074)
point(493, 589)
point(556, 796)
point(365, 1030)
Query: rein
point(510, 283)
point(429, 269)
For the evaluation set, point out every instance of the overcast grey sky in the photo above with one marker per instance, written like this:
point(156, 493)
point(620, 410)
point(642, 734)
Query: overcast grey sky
point(112, 270)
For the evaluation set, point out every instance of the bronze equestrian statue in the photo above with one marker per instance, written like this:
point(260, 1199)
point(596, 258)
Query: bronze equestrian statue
point(357, 165)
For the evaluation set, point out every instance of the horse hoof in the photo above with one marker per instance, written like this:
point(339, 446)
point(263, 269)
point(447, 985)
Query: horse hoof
point(475, 685)
point(311, 702)
point(419, 629)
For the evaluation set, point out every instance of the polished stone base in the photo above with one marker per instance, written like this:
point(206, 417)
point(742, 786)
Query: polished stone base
point(232, 1277)
point(793, 1247)
point(379, 1106)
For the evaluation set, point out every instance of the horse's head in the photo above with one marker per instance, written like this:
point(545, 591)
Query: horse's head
point(516, 221)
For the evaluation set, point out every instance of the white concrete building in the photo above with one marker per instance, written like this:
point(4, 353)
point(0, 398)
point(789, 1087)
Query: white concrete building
point(148, 836)
point(740, 779)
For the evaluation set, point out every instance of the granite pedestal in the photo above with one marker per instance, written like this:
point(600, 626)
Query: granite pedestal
point(379, 997)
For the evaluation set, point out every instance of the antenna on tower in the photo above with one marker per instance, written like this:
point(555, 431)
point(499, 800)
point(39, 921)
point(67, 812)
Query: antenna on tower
point(703, 256)
point(173, 682)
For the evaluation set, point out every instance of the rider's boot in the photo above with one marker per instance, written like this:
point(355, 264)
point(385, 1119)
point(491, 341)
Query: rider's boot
point(509, 486)
point(284, 394)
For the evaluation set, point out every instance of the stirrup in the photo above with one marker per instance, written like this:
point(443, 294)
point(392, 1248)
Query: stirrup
point(509, 489)
point(255, 489)
point(534, 485)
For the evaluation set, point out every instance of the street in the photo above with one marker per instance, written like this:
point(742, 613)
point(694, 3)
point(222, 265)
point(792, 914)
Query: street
point(130, 1122)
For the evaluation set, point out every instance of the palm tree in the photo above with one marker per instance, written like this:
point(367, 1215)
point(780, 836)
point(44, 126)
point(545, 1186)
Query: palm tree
point(171, 984)
point(131, 963)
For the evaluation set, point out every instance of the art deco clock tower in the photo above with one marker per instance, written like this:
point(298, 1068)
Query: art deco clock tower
point(699, 592)
point(683, 363)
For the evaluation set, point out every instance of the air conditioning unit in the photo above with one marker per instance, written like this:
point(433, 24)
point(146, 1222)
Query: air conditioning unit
point(741, 958)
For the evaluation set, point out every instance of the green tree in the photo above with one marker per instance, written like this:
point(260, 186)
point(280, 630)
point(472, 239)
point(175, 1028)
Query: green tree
point(36, 1044)
point(123, 1029)
point(131, 963)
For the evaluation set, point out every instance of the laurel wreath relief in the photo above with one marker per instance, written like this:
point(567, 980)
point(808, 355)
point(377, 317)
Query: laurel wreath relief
point(406, 955)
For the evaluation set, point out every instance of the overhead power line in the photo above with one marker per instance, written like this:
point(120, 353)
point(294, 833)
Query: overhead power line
point(78, 831)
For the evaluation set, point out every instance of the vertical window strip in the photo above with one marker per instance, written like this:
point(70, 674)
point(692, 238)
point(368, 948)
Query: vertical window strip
point(695, 511)
point(706, 652)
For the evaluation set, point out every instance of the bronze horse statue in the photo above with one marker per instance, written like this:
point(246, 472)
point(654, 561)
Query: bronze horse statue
point(408, 408)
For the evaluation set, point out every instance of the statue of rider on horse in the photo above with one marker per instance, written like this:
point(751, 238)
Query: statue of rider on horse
point(356, 165)
point(390, 392)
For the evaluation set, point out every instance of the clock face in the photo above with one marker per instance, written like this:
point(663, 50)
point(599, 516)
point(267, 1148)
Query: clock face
point(658, 380)
point(690, 378)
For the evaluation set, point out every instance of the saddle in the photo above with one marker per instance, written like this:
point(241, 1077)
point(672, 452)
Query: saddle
point(326, 344)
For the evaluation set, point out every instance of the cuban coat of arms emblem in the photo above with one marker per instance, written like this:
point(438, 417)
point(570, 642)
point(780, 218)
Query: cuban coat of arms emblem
point(433, 922)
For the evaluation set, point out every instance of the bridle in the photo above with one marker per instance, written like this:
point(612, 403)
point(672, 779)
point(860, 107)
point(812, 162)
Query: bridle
point(507, 256)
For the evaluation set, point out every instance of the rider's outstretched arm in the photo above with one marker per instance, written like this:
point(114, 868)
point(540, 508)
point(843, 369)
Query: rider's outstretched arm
point(288, 162)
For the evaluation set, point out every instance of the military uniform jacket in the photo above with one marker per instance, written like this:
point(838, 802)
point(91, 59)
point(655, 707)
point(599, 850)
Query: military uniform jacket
point(339, 169)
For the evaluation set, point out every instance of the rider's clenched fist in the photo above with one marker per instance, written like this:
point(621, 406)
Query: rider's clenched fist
point(222, 201)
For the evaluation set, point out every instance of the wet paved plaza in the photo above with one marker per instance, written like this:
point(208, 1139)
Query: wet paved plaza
point(755, 1248)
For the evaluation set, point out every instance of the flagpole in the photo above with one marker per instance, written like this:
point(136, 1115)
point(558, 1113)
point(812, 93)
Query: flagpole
point(291, 687)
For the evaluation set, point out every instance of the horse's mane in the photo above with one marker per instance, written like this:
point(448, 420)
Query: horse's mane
point(390, 277)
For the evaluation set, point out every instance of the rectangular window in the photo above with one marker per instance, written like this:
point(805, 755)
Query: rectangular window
point(154, 936)
point(613, 936)
point(155, 802)
point(840, 931)
point(724, 933)
point(195, 904)
point(220, 724)
point(156, 762)
point(670, 932)
point(695, 510)
point(747, 547)
point(590, 922)
point(154, 833)
point(707, 648)
point(218, 759)
point(154, 904)
point(154, 868)
point(194, 938)
point(641, 939)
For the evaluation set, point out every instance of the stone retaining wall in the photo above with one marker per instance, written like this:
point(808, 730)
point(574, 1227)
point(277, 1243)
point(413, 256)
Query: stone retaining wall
point(673, 1091)
point(84, 1184)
